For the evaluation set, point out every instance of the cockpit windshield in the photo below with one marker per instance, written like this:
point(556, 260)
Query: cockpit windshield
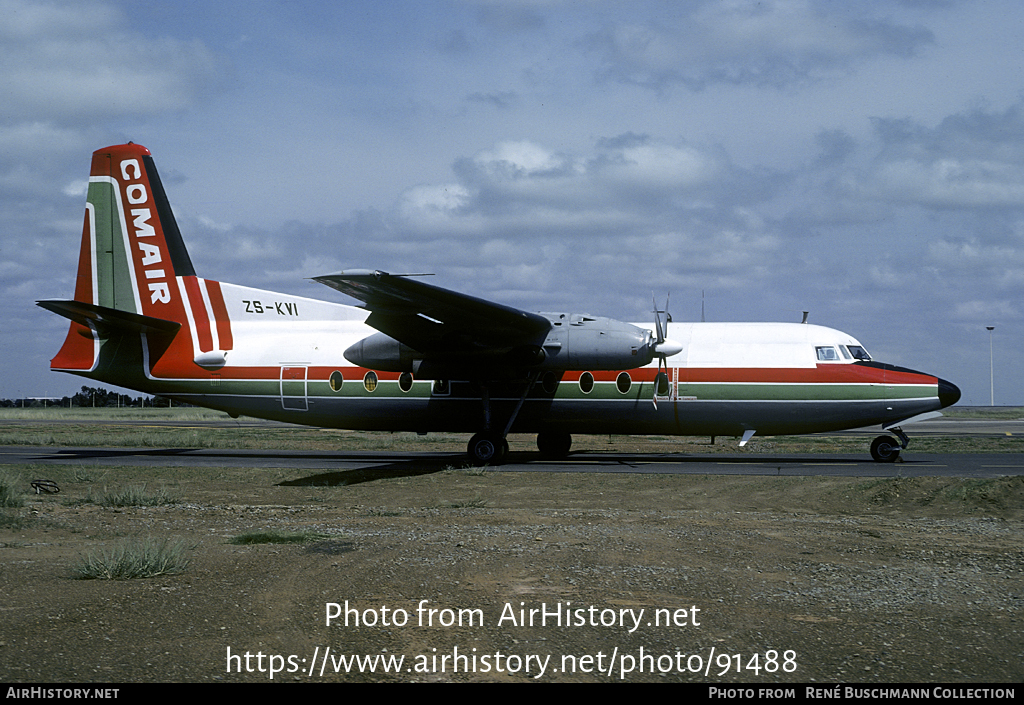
point(858, 352)
point(840, 353)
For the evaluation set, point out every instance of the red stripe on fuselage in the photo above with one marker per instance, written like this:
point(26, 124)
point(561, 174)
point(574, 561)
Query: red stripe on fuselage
point(220, 314)
point(823, 374)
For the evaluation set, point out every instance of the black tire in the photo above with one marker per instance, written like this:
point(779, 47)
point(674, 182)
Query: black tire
point(487, 449)
point(885, 449)
point(554, 444)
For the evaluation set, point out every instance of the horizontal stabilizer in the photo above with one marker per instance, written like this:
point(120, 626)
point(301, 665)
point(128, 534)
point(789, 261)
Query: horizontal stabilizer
point(104, 320)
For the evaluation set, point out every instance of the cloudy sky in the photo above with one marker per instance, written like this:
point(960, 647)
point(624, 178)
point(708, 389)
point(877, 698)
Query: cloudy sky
point(863, 161)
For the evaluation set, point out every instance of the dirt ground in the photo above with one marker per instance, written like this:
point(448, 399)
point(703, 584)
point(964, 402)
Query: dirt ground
point(642, 577)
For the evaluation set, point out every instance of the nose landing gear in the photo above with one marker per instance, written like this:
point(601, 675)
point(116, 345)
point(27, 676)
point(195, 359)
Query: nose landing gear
point(886, 449)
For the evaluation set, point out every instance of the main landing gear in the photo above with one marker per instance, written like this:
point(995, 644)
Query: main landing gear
point(554, 444)
point(886, 449)
point(487, 449)
point(490, 447)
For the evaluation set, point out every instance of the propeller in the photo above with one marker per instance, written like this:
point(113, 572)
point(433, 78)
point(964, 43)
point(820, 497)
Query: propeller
point(663, 347)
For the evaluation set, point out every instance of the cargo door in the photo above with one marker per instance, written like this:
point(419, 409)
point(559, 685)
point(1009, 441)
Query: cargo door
point(293, 388)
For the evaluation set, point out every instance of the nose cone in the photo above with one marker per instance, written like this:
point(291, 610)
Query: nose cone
point(949, 393)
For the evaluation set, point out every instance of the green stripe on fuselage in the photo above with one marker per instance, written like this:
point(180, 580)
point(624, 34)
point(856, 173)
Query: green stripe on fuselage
point(803, 392)
point(603, 391)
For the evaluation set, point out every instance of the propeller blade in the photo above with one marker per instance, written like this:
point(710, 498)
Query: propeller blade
point(661, 329)
point(663, 348)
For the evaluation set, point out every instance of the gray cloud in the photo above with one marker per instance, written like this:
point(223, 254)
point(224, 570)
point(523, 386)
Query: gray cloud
point(755, 43)
point(64, 63)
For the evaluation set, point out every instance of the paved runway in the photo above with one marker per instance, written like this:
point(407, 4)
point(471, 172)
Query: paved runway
point(942, 426)
point(913, 464)
point(387, 463)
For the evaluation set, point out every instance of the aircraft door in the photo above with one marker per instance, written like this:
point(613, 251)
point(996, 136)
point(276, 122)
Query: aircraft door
point(293, 388)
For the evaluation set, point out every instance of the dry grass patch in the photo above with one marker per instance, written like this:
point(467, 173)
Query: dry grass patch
point(134, 558)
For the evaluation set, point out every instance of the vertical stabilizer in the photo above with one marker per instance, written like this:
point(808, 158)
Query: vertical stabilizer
point(134, 272)
point(134, 246)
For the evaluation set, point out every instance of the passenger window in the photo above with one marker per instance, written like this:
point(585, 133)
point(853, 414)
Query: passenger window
point(549, 382)
point(586, 383)
point(623, 382)
point(370, 381)
point(405, 381)
point(336, 381)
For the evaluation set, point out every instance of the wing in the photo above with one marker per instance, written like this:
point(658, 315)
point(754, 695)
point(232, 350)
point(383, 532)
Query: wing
point(434, 320)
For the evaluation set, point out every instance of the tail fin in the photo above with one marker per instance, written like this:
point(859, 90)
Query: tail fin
point(134, 273)
point(131, 246)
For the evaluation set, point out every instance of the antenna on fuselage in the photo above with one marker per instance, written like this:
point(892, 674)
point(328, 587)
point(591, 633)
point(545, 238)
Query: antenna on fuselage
point(701, 305)
point(806, 313)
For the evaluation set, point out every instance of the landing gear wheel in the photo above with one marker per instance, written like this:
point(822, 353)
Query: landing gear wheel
point(885, 449)
point(554, 444)
point(487, 449)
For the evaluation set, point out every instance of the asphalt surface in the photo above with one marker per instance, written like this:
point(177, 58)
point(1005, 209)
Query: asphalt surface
point(336, 465)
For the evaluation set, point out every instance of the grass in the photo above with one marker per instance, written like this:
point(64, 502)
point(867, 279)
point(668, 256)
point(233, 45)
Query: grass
point(467, 504)
point(958, 495)
point(283, 537)
point(134, 558)
point(997, 493)
point(471, 470)
point(10, 495)
point(135, 433)
point(1003, 413)
point(133, 496)
point(110, 413)
point(384, 513)
point(13, 521)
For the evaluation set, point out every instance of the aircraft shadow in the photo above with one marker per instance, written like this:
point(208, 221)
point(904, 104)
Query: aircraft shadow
point(405, 468)
point(394, 464)
point(457, 460)
point(212, 453)
point(382, 465)
point(648, 458)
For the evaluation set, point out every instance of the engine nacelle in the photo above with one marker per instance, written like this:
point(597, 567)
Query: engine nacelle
point(382, 352)
point(580, 342)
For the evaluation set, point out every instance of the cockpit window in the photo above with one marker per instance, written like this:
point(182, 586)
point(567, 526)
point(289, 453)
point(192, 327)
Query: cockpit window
point(858, 352)
point(827, 353)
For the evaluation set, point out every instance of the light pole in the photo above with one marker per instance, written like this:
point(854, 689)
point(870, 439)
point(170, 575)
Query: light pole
point(991, 369)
